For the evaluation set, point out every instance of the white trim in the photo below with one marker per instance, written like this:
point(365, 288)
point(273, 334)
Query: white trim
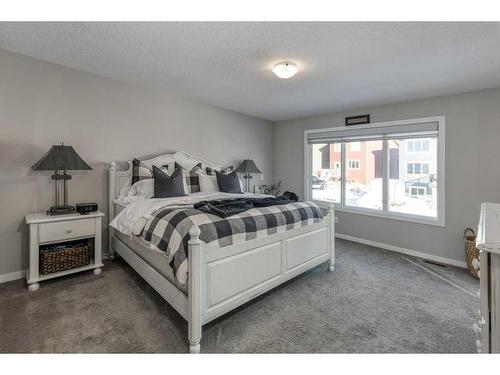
point(308, 169)
point(12, 276)
point(440, 172)
point(402, 250)
point(390, 215)
point(385, 175)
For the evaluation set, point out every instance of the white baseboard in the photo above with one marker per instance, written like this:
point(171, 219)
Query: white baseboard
point(403, 250)
point(12, 276)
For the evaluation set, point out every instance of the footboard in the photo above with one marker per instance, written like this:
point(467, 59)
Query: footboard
point(221, 279)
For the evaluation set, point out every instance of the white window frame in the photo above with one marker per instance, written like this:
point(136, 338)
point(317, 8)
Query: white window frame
point(354, 161)
point(337, 147)
point(385, 213)
point(357, 148)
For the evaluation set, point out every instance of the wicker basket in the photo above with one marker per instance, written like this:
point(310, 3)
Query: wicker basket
point(471, 252)
point(63, 258)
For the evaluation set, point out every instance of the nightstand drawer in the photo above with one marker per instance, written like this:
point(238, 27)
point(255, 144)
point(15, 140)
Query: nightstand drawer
point(52, 232)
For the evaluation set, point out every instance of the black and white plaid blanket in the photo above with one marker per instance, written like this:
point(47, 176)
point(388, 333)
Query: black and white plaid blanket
point(168, 228)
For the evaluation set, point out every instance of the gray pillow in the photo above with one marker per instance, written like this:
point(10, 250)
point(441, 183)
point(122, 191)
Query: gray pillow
point(229, 183)
point(168, 186)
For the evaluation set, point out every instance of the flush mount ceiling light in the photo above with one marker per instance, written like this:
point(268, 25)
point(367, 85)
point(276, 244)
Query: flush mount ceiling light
point(285, 69)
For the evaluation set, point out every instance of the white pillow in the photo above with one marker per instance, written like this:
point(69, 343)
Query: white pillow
point(208, 183)
point(143, 188)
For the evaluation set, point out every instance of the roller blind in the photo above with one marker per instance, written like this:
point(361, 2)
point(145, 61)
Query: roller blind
point(353, 134)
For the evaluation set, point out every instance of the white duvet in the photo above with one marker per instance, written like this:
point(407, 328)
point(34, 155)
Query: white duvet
point(132, 219)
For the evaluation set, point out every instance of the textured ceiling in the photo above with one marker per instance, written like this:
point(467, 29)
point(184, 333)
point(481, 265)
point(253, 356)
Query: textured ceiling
point(342, 65)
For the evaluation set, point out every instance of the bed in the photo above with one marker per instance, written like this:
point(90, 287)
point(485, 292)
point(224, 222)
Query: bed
point(220, 278)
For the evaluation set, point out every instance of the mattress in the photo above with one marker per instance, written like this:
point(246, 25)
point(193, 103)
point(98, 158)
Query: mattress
point(155, 259)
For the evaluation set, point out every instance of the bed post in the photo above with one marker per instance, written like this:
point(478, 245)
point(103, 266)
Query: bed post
point(331, 237)
point(111, 207)
point(194, 291)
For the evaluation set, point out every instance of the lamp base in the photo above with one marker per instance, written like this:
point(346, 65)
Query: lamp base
point(61, 210)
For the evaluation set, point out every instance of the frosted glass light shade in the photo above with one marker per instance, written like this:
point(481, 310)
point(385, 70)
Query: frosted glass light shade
point(285, 69)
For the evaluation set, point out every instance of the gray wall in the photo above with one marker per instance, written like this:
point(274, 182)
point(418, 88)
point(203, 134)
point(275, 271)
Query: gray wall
point(472, 168)
point(43, 104)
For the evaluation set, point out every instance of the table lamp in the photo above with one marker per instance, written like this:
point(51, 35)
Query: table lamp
point(61, 158)
point(248, 167)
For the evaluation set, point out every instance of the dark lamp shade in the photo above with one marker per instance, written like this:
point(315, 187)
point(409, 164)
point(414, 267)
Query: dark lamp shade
point(61, 158)
point(248, 166)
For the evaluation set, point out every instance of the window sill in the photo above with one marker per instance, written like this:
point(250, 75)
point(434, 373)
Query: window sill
point(381, 214)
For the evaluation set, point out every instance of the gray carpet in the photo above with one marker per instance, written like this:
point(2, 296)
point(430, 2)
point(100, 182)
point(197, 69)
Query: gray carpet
point(375, 302)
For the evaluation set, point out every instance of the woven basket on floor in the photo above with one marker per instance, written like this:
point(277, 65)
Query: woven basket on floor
point(62, 259)
point(471, 252)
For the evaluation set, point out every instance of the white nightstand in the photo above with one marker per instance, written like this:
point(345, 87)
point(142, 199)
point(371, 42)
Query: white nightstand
point(45, 229)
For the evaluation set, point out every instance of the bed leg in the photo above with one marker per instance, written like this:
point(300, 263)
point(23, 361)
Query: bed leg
point(194, 282)
point(331, 240)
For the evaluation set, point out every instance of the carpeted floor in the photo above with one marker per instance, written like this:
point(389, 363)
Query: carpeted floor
point(375, 302)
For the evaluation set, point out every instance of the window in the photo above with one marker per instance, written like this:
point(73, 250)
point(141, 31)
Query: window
point(363, 188)
point(326, 173)
point(418, 145)
point(355, 146)
point(393, 169)
point(353, 164)
point(417, 168)
point(416, 191)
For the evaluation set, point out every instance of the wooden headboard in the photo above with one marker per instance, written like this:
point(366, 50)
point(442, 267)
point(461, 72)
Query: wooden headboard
point(120, 173)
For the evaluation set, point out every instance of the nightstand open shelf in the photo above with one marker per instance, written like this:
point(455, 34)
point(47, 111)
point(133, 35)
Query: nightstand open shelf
point(47, 230)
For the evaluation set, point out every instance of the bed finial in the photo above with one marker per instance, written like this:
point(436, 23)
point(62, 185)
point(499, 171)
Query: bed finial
point(194, 234)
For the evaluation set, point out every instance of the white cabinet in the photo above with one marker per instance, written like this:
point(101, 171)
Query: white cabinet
point(488, 242)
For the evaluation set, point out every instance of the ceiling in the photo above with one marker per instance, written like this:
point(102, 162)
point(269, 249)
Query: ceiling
point(342, 65)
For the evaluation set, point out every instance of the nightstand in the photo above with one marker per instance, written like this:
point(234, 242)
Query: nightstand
point(47, 230)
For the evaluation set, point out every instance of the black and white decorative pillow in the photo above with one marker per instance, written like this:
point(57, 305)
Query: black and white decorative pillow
point(192, 177)
point(141, 172)
point(211, 172)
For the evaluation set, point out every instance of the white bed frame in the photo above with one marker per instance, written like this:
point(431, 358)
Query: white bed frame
point(221, 279)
